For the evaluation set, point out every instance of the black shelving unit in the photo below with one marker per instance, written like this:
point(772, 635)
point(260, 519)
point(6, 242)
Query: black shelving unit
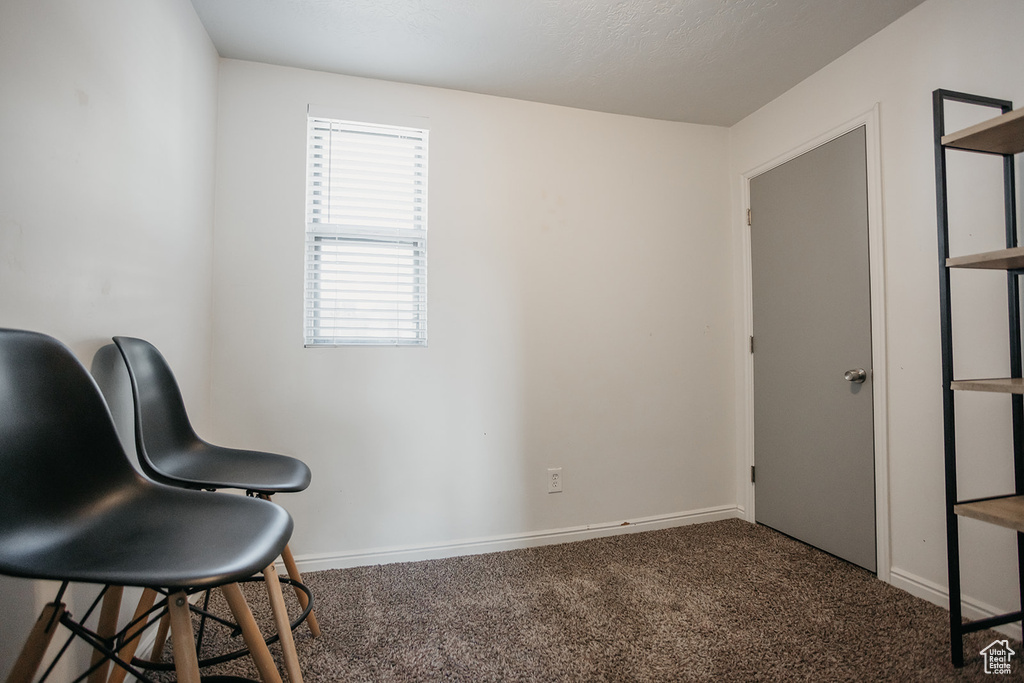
point(1002, 135)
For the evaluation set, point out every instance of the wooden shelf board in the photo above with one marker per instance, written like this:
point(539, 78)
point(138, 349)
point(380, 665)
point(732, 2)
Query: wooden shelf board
point(1004, 259)
point(1003, 385)
point(1002, 135)
point(1007, 512)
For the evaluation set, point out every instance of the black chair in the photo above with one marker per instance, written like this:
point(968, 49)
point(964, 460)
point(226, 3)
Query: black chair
point(75, 510)
point(171, 452)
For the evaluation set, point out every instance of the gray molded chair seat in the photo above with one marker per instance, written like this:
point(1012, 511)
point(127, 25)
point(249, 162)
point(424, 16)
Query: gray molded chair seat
point(141, 534)
point(205, 466)
point(75, 510)
point(171, 452)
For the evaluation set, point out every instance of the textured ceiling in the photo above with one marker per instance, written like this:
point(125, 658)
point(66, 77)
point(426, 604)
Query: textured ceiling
point(699, 61)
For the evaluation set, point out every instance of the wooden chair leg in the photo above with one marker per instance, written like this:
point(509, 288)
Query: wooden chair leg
point(128, 651)
point(251, 634)
point(186, 661)
point(294, 575)
point(106, 628)
point(39, 638)
point(284, 626)
point(161, 638)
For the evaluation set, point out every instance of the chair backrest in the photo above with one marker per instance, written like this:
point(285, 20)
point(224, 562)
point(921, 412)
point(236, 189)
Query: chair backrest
point(60, 455)
point(162, 426)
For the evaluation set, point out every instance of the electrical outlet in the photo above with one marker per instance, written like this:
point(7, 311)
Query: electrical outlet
point(554, 480)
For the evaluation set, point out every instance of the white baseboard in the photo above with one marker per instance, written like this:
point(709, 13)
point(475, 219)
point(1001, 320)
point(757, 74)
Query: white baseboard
point(936, 594)
point(489, 544)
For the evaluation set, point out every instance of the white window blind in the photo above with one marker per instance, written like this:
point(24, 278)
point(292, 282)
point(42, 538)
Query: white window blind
point(366, 234)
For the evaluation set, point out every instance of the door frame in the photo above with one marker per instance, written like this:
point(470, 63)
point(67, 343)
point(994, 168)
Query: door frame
point(876, 267)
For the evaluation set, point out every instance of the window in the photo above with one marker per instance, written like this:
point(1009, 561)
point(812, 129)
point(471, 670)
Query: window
point(366, 234)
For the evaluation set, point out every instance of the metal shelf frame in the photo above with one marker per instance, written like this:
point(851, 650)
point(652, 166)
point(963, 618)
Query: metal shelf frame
point(957, 627)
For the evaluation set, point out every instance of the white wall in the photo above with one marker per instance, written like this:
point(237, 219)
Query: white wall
point(107, 122)
point(580, 302)
point(967, 46)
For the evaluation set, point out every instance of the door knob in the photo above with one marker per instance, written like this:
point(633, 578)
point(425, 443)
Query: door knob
point(857, 375)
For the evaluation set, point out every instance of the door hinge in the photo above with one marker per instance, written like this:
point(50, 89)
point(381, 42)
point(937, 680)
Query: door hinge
point(752, 479)
point(749, 219)
point(751, 343)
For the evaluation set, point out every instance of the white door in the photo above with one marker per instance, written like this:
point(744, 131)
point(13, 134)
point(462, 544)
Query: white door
point(813, 424)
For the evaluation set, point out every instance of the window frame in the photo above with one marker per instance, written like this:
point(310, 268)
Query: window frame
point(367, 232)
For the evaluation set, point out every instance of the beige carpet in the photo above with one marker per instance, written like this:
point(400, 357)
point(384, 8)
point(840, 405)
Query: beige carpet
point(719, 601)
